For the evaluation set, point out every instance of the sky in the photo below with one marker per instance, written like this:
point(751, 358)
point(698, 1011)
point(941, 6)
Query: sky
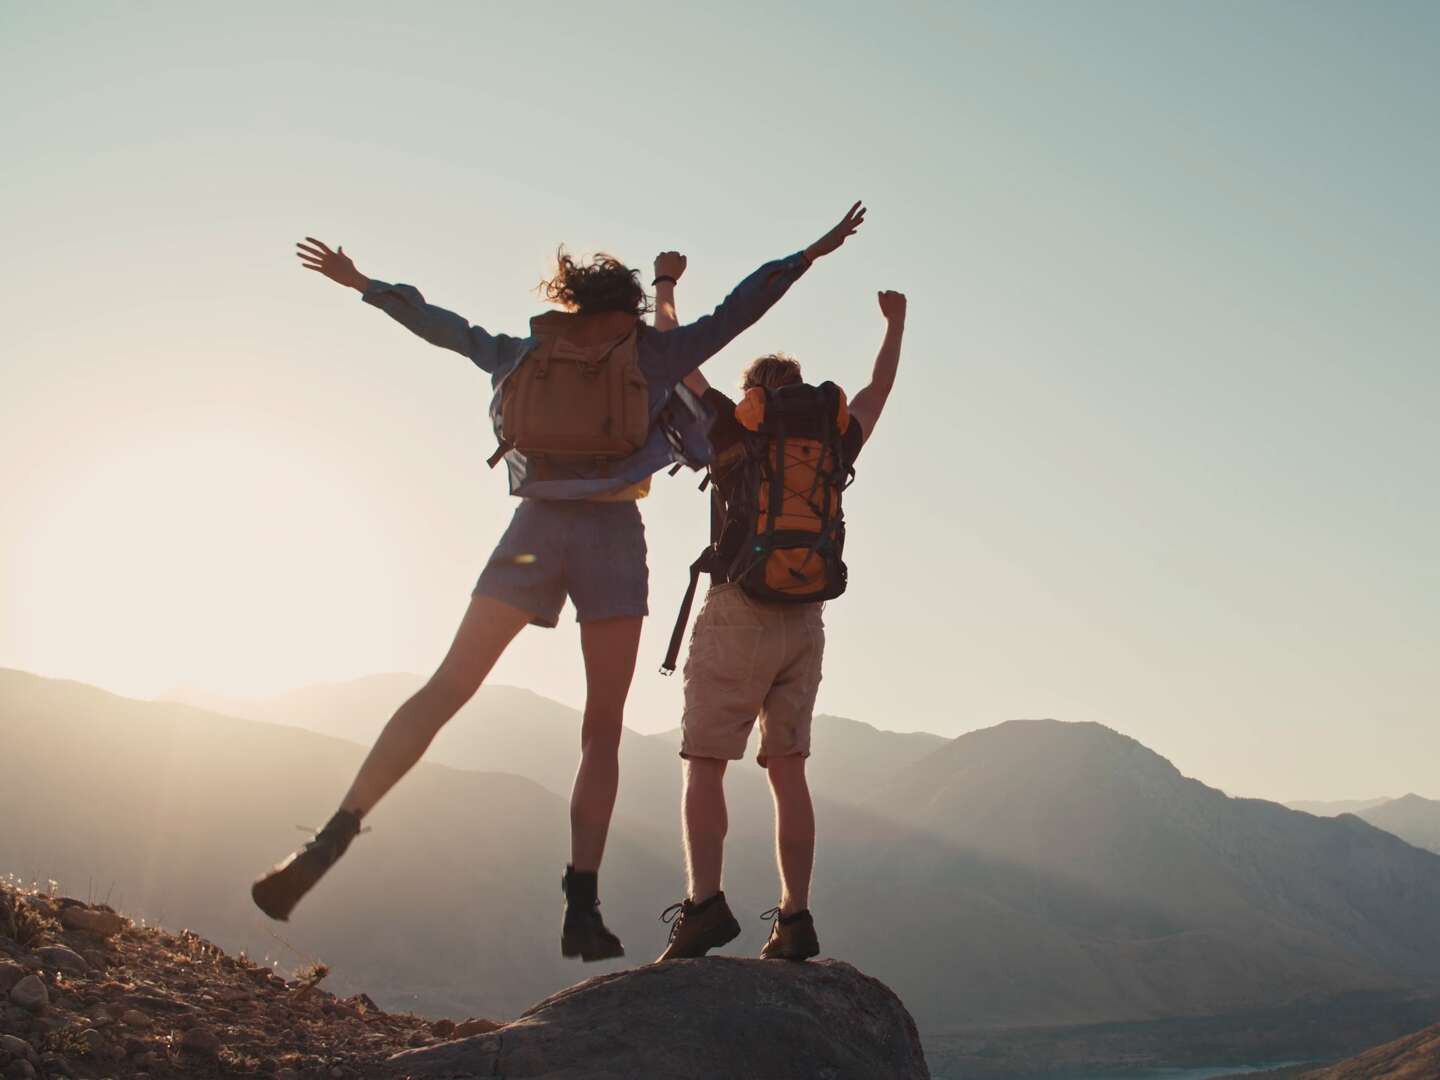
point(1162, 449)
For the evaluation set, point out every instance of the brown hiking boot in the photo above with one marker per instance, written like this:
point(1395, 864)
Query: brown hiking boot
point(695, 929)
point(281, 888)
point(792, 937)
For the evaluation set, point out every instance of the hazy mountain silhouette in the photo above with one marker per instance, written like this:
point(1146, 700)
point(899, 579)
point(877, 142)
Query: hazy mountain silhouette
point(1335, 807)
point(1414, 819)
point(450, 905)
point(521, 732)
point(1035, 873)
point(1177, 897)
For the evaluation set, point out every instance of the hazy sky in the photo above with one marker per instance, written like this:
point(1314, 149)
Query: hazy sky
point(1162, 452)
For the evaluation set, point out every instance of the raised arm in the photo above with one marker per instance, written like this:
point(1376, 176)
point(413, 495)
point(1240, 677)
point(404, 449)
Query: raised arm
point(669, 268)
point(405, 305)
point(869, 403)
point(680, 351)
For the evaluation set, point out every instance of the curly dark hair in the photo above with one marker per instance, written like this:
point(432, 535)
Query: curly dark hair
point(602, 284)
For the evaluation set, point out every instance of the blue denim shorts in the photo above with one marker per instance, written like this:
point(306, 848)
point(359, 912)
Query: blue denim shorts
point(592, 552)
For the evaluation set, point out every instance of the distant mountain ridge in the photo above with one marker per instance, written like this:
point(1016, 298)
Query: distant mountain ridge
point(1033, 874)
point(1413, 818)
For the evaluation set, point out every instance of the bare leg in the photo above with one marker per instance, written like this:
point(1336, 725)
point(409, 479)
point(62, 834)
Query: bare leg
point(610, 647)
point(706, 821)
point(487, 628)
point(794, 831)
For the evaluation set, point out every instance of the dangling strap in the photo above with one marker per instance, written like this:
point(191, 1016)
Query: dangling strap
point(500, 451)
point(672, 655)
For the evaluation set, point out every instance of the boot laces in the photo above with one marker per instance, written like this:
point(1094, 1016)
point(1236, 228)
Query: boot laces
point(772, 915)
point(674, 916)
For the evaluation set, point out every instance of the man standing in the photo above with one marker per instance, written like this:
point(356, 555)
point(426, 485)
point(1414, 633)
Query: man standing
point(758, 642)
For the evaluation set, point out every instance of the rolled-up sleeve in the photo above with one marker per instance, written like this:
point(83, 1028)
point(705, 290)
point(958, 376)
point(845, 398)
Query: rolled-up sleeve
point(405, 305)
point(670, 355)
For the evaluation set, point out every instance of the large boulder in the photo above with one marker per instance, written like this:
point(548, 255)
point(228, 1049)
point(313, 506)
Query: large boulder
point(712, 1019)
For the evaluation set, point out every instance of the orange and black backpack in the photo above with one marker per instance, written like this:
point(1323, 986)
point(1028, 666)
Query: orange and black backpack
point(782, 536)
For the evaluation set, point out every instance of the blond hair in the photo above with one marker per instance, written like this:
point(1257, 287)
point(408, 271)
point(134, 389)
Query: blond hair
point(771, 371)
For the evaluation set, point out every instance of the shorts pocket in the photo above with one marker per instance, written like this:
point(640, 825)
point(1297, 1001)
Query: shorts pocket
point(721, 657)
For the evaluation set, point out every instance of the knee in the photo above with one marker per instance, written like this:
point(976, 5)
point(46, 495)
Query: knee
point(786, 773)
point(600, 735)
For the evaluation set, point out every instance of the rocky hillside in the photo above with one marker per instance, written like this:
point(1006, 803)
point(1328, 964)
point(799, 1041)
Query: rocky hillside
point(85, 993)
point(1415, 1057)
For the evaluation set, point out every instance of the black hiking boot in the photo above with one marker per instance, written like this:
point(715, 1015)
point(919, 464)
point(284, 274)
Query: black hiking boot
point(277, 893)
point(792, 937)
point(584, 933)
point(695, 929)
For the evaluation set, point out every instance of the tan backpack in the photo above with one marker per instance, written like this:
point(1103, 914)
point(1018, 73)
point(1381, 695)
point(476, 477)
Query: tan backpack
point(579, 393)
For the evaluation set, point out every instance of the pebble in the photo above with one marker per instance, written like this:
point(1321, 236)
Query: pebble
point(200, 1040)
point(134, 1018)
point(20, 1070)
point(30, 993)
point(476, 1026)
point(93, 1040)
point(10, 974)
point(62, 959)
point(92, 921)
point(15, 1047)
point(442, 1029)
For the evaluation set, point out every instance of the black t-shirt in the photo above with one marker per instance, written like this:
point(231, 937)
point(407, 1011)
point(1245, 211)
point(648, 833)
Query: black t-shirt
point(726, 434)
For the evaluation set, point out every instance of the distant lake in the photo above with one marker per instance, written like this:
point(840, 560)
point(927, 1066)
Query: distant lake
point(1205, 1072)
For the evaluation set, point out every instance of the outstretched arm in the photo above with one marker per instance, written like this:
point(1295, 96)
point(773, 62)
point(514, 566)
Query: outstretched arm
point(405, 305)
point(869, 403)
point(680, 351)
point(669, 268)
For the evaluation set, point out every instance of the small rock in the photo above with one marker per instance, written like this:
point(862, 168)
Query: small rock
point(201, 1040)
point(134, 1018)
point(135, 1047)
point(93, 921)
point(476, 1025)
point(148, 1060)
point(96, 959)
point(55, 1065)
point(20, 1070)
point(30, 993)
point(93, 1040)
point(62, 959)
point(337, 1073)
point(16, 1047)
point(286, 1074)
point(442, 1029)
point(10, 974)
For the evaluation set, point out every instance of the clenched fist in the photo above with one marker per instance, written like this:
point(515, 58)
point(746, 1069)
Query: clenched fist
point(892, 305)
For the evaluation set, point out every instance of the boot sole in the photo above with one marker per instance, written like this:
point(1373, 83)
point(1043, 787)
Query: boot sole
point(265, 894)
point(794, 958)
point(570, 948)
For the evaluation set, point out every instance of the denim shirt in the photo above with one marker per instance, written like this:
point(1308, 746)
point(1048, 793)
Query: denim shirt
point(666, 357)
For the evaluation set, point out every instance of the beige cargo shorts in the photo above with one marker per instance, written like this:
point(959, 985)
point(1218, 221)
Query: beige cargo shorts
point(750, 659)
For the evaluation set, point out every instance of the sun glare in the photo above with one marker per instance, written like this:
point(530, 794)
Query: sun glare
point(208, 554)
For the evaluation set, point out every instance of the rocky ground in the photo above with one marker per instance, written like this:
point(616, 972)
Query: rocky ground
point(84, 993)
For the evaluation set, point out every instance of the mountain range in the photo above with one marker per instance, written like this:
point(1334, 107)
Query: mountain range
point(1032, 875)
point(1413, 818)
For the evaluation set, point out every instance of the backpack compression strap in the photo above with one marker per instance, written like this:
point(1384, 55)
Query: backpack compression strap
point(672, 654)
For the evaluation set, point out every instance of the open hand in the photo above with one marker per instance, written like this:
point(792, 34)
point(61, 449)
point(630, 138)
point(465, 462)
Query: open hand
point(670, 264)
point(836, 236)
point(892, 305)
point(335, 265)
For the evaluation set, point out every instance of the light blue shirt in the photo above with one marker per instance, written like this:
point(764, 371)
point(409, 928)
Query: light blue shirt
point(666, 357)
